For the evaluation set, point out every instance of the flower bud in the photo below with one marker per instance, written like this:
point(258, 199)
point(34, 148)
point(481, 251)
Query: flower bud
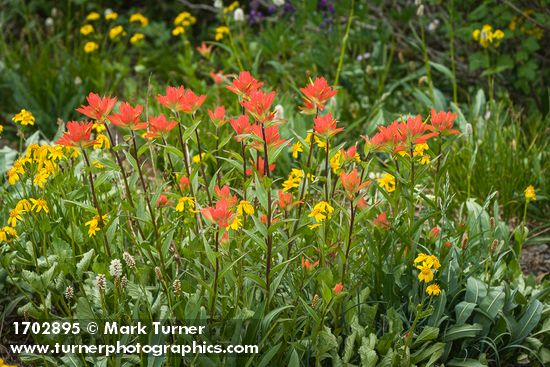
point(177, 287)
point(492, 222)
point(465, 240)
point(69, 293)
point(129, 260)
point(115, 268)
point(158, 273)
point(315, 301)
point(100, 281)
point(238, 15)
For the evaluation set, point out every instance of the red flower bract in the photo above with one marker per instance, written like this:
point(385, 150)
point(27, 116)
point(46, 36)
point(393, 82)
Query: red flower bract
point(258, 105)
point(272, 137)
point(443, 122)
point(399, 136)
point(326, 125)
point(317, 93)
point(98, 107)
point(224, 194)
point(220, 214)
point(77, 135)
point(352, 182)
point(244, 84)
point(181, 100)
point(129, 117)
point(260, 167)
point(218, 116)
point(159, 125)
point(241, 125)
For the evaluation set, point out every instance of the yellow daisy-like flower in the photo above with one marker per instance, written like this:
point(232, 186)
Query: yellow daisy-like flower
point(419, 149)
point(15, 215)
point(93, 16)
point(320, 143)
point(231, 7)
point(56, 153)
point(294, 179)
point(296, 148)
point(245, 207)
point(530, 193)
point(221, 32)
point(186, 201)
point(387, 182)
point(102, 142)
point(433, 290)
point(236, 224)
point(23, 206)
point(93, 224)
point(198, 158)
point(86, 29)
point(111, 15)
point(185, 19)
point(426, 274)
point(321, 211)
point(139, 18)
point(40, 178)
point(179, 30)
point(40, 204)
point(136, 38)
point(115, 32)
point(24, 117)
point(336, 162)
point(425, 159)
point(6, 234)
point(99, 127)
point(90, 47)
point(1, 129)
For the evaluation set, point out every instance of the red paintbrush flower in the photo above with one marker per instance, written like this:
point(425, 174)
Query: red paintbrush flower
point(224, 194)
point(244, 84)
point(381, 221)
point(184, 183)
point(258, 105)
point(443, 122)
point(415, 131)
point(326, 125)
point(159, 125)
point(241, 125)
point(218, 116)
point(190, 102)
point(129, 117)
point(173, 97)
point(77, 135)
point(272, 137)
point(218, 77)
point(352, 182)
point(98, 107)
point(220, 214)
point(308, 265)
point(316, 94)
point(205, 50)
point(260, 166)
point(351, 154)
point(285, 199)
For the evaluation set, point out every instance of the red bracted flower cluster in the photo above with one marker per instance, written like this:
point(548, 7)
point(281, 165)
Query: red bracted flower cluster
point(352, 182)
point(316, 95)
point(443, 122)
point(181, 100)
point(77, 135)
point(98, 107)
point(272, 137)
point(326, 125)
point(218, 116)
point(224, 194)
point(241, 126)
point(244, 85)
point(129, 117)
point(399, 136)
point(258, 105)
point(223, 213)
point(260, 167)
point(159, 125)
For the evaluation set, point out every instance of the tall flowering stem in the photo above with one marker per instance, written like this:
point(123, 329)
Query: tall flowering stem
point(96, 202)
point(216, 276)
point(348, 246)
point(202, 167)
point(269, 239)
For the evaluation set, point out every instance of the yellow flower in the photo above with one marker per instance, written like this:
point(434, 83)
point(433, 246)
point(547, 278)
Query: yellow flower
point(293, 181)
point(179, 30)
point(56, 153)
point(86, 29)
point(313, 226)
point(185, 19)
point(23, 206)
point(426, 274)
point(296, 148)
point(231, 7)
point(429, 261)
point(320, 143)
point(498, 34)
point(138, 17)
point(221, 32)
point(236, 224)
point(102, 142)
point(40, 178)
point(246, 207)
point(115, 32)
point(1, 129)
point(15, 215)
point(111, 15)
point(419, 149)
point(198, 158)
point(97, 164)
point(93, 224)
point(336, 162)
point(433, 290)
point(6, 234)
point(425, 159)
point(93, 16)
point(530, 193)
point(183, 201)
point(387, 182)
point(421, 258)
point(24, 117)
point(136, 38)
point(40, 204)
point(321, 211)
point(475, 34)
point(90, 47)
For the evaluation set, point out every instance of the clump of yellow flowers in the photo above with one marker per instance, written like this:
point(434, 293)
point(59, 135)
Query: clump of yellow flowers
point(530, 194)
point(387, 181)
point(24, 117)
point(486, 36)
point(182, 21)
point(428, 264)
point(221, 32)
point(320, 212)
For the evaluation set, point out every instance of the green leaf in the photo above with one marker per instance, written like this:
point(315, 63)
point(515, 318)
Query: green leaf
point(527, 322)
point(464, 331)
point(476, 290)
point(427, 334)
point(268, 356)
point(84, 263)
point(467, 362)
point(463, 310)
point(493, 302)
